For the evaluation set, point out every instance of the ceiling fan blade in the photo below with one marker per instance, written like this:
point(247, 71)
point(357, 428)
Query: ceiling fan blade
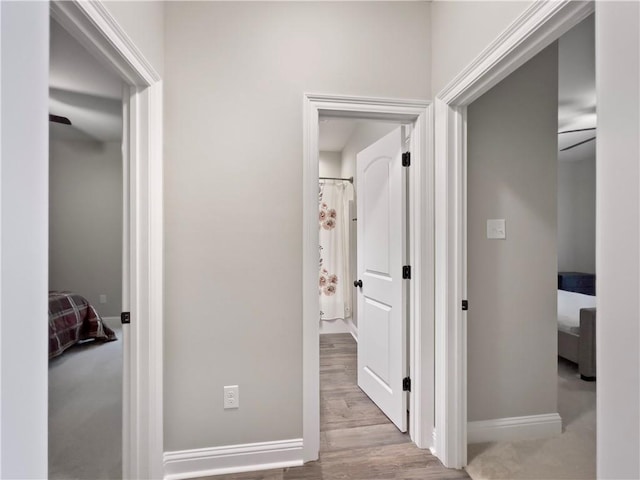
point(59, 119)
point(578, 130)
point(578, 144)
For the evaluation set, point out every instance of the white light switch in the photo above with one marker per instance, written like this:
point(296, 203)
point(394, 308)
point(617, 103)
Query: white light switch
point(496, 229)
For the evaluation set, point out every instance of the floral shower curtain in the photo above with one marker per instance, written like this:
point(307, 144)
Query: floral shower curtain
point(333, 223)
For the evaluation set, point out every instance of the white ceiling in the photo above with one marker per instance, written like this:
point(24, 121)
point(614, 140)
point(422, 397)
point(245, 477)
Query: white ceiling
point(83, 90)
point(577, 90)
point(581, 152)
point(335, 133)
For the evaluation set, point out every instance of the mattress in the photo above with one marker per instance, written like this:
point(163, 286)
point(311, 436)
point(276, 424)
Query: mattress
point(569, 305)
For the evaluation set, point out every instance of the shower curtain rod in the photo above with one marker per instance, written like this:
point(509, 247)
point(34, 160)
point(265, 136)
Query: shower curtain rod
point(350, 179)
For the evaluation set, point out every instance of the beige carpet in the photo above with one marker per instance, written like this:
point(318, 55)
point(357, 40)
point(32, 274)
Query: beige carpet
point(571, 455)
point(85, 411)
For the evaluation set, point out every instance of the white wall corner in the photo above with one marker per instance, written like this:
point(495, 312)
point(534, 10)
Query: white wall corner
point(353, 329)
point(204, 462)
point(432, 449)
point(514, 428)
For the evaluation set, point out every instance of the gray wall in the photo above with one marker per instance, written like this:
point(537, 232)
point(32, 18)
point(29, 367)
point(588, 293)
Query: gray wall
point(235, 77)
point(461, 30)
point(512, 168)
point(330, 164)
point(85, 221)
point(577, 215)
point(144, 23)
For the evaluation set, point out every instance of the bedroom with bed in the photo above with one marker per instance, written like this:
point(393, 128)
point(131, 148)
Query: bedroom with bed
point(576, 249)
point(532, 279)
point(576, 197)
point(577, 321)
point(85, 263)
point(577, 281)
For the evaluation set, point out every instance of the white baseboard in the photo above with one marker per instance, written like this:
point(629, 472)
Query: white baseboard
point(432, 448)
point(112, 322)
point(353, 329)
point(337, 325)
point(250, 457)
point(514, 428)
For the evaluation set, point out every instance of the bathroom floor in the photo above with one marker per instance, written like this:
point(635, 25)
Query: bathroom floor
point(357, 441)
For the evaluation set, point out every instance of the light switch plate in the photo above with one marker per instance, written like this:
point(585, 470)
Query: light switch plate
point(496, 229)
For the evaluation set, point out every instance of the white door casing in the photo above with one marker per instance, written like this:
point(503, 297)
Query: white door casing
point(382, 331)
point(538, 26)
point(95, 28)
point(421, 211)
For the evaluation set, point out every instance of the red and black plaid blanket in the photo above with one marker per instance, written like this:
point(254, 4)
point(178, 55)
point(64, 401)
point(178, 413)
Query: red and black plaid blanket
point(73, 319)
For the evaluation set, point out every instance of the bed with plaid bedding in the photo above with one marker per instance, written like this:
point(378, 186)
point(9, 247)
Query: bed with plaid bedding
point(73, 319)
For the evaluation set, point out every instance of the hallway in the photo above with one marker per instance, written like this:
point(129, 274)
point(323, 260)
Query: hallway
point(357, 441)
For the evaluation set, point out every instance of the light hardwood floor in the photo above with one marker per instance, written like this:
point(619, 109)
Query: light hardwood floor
point(358, 442)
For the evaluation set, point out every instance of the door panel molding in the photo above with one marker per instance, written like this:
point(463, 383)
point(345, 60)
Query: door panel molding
point(382, 308)
point(421, 257)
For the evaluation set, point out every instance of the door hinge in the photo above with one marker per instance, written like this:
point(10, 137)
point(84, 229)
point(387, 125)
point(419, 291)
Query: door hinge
point(406, 384)
point(406, 272)
point(125, 317)
point(406, 159)
point(465, 304)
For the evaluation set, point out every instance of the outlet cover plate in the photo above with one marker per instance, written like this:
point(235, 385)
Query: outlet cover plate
point(231, 397)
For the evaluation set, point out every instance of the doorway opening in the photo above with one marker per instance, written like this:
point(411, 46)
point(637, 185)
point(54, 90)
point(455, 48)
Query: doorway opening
point(362, 242)
point(523, 40)
point(419, 255)
point(531, 216)
point(92, 25)
point(85, 262)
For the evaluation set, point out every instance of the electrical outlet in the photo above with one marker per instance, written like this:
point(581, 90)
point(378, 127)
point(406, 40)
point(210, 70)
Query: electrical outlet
point(231, 396)
point(103, 298)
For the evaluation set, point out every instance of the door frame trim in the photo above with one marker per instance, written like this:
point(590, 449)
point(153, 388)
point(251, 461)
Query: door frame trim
point(97, 30)
point(536, 28)
point(421, 255)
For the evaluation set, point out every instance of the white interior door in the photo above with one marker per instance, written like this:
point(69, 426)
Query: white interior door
point(127, 227)
point(381, 253)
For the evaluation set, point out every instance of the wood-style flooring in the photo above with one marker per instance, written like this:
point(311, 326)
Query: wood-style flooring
point(357, 441)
